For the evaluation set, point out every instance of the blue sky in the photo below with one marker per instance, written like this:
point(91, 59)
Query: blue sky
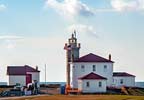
point(33, 32)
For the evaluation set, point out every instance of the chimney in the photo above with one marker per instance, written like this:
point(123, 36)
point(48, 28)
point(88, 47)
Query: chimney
point(110, 57)
point(65, 44)
point(37, 68)
point(79, 45)
point(65, 47)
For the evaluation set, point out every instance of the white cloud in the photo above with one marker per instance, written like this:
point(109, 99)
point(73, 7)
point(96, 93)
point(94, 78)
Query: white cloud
point(104, 10)
point(73, 8)
point(127, 5)
point(70, 8)
point(81, 28)
point(141, 4)
point(9, 41)
point(2, 7)
point(12, 37)
point(10, 44)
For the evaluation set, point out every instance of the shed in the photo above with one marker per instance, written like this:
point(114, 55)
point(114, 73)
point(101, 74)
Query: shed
point(22, 74)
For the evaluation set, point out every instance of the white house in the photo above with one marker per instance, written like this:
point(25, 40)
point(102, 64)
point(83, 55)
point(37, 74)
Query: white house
point(22, 75)
point(81, 70)
point(92, 63)
point(92, 83)
point(123, 79)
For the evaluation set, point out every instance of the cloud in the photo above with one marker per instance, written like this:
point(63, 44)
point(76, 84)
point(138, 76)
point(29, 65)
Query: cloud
point(10, 37)
point(9, 42)
point(81, 28)
point(2, 7)
point(73, 8)
point(141, 4)
point(70, 8)
point(127, 5)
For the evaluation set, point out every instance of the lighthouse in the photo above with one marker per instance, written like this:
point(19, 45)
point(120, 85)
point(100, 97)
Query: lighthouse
point(72, 54)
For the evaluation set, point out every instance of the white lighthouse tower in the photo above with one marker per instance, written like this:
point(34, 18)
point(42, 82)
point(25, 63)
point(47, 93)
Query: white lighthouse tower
point(72, 54)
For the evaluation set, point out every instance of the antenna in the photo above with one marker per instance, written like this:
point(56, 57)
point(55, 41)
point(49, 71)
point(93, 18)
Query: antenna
point(75, 33)
point(45, 74)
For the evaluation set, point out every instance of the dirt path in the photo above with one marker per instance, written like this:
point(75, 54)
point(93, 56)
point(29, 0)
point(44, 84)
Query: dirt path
point(76, 97)
point(20, 97)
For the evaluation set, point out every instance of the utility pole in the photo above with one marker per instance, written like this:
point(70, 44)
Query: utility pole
point(45, 79)
point(45, 73)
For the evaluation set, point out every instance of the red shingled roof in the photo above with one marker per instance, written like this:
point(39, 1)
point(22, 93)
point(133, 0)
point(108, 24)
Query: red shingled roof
point(20, 70)
point(93, 76)
point(122, 74)
point(92, 58)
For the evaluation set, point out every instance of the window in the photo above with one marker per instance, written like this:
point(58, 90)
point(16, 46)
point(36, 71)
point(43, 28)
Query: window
point(94, 68)
point(82, 68)
point(105, 68)
point(113, 80)
point(100, 84)
point(73, 67)
point(121, 81)
point(87, 84)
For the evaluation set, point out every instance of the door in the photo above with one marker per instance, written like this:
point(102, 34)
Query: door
point(28, 78)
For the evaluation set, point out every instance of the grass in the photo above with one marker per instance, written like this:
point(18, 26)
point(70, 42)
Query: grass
point(82, 97)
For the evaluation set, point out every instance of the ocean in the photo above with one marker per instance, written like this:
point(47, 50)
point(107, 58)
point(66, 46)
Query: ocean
point(62, 83)
point(140, 84)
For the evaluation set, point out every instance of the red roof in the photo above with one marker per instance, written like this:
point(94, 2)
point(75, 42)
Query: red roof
point(20, 70)
point(122, 74)
point(92, 58)
point(93, 76)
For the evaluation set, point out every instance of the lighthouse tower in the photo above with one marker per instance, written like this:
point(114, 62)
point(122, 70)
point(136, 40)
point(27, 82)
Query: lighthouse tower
point(72, 53)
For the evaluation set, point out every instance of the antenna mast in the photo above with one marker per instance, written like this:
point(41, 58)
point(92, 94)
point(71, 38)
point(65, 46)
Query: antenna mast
point(45, 73)
point(75, 33)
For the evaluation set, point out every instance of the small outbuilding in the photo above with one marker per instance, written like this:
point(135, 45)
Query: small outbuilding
point(123, 79)
point(22, 75)
point(92, 83)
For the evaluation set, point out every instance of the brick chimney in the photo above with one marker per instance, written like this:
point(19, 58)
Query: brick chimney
point(110, 57)
point(37, 68)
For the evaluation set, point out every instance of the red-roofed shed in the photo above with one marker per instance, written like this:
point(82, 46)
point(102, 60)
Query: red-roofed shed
point(22, 74)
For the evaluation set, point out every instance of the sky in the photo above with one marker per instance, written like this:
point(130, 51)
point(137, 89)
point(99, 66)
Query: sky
point(33, 32)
